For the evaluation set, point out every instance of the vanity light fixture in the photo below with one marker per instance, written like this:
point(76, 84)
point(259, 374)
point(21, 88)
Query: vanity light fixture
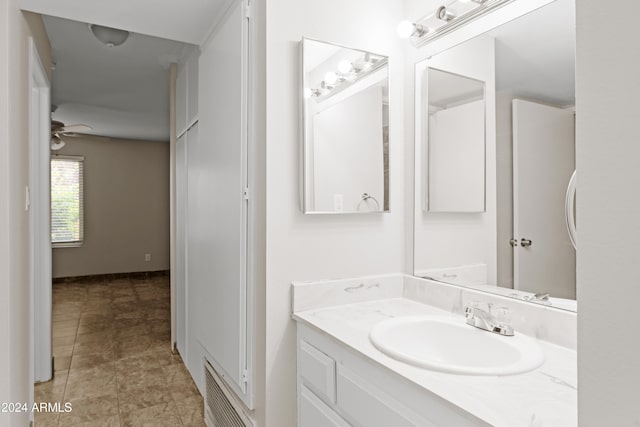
point(347, 73)
point(448, 17)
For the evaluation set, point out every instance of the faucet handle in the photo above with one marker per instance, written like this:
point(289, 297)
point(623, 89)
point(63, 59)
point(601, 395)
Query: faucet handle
point(469, 312)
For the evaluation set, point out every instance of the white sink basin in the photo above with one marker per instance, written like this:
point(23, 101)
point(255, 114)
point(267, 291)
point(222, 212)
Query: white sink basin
point(448, 344)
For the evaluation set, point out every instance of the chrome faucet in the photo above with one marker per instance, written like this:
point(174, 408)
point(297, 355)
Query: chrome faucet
point(484, 320)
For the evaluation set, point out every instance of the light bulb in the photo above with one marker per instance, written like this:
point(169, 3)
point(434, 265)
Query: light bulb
point(308, 93)
point(331, 78)
point(406, 29)
point(344, 66)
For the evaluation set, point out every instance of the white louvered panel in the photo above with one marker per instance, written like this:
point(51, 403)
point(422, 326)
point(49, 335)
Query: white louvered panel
point(219, 410)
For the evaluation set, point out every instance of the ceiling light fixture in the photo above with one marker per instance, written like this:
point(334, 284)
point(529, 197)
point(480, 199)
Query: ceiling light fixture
point(109, 36)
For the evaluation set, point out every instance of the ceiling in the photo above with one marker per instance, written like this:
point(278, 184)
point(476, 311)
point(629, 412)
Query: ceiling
point(122, 91)
point(535, 54)
point(188, 21)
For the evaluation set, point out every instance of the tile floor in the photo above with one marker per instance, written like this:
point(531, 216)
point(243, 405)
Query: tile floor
point(111, 344)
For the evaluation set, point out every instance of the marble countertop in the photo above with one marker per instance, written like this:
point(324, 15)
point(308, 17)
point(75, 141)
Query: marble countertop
point(544, 397)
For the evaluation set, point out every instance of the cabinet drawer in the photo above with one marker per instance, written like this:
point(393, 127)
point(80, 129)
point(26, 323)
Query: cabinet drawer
point(315, 413)
point(366, 406)
point(318, 371)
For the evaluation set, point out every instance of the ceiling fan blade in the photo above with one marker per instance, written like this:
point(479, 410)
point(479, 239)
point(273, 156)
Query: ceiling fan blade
point(55, 125)
point(74, 128)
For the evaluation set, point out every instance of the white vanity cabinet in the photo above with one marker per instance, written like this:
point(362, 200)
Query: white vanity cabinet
point(338, 386)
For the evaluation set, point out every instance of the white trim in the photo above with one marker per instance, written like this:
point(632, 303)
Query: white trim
point(40, 232)
point(67, 157)
point(59, 245)
point(173, 140)
point(251, 213)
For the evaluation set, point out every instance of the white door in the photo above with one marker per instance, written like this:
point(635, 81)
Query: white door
point(39, 206)
point(181, 216)
point(543, 161)
point(217, 217)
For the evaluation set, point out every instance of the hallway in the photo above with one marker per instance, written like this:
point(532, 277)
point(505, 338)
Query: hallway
point(111, 344)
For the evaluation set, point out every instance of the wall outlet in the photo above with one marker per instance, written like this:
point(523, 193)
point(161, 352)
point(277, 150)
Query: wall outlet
point(147, 257)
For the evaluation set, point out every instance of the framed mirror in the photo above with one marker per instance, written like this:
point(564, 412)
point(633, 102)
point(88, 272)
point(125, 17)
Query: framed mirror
point(518, 246)
point(345, 95)
point(456, 142)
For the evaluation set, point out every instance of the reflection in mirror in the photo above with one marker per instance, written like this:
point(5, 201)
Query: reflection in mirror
point(346, 129)
point(519, 246)
point(456, 143)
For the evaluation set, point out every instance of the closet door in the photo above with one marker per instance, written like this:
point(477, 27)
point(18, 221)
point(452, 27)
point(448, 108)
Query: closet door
point(218, 204)
point(181, 244)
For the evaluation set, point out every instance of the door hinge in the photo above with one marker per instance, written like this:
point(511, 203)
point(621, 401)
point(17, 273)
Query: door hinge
point(245, 376)
point(247, 11)
point(245, 193)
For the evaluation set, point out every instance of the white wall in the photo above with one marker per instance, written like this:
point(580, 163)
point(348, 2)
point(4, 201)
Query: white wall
point(15, 29)
point(456, 165)
point(307, 247)
point(608, 212)
point(126, 208)
point(446, 240)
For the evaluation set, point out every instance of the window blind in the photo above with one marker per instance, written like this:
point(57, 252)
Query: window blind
point(67, 211)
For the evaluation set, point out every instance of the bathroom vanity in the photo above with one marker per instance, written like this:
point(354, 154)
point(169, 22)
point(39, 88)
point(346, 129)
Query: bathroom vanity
point(344, 380)
point(494, 149)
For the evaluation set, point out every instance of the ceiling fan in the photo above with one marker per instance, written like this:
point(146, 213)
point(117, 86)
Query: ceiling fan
point(60, 131)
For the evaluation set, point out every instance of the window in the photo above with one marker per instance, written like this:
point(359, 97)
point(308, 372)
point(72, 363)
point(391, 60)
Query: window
point(67, 201)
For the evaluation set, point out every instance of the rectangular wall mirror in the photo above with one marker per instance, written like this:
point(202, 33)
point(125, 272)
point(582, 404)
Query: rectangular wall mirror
point(456, 140)
point(517, 243)
point(345, 96)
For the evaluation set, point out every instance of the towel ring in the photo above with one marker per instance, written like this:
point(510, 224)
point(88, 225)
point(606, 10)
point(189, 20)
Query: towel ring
point(365, 198)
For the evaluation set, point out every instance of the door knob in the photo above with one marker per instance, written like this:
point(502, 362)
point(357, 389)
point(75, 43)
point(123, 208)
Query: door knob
point(525, 243)
point(513, 242)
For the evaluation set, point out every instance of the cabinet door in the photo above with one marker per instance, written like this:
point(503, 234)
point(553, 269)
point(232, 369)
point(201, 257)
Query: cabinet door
point(218, 224)
point(368, 406)
point(315, 413)
point(181, 244)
